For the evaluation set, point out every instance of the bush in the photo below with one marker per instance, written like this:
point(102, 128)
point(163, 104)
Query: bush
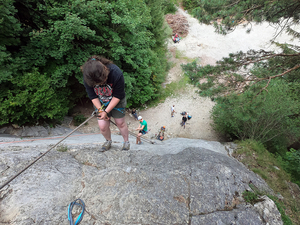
point(169, 6)
point(250, 197)
point(292, 164)
point(190, 4)
point(264, 117)
point(32, 98)
point(79, 119)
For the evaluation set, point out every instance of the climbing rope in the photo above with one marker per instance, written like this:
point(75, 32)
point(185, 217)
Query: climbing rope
point(70, 208)
point(11, 179)
point(34, 161)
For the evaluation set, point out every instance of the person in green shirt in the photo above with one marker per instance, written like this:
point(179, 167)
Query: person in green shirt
point(143, 129)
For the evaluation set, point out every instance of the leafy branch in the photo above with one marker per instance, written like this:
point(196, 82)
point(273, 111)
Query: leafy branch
point(240, 71)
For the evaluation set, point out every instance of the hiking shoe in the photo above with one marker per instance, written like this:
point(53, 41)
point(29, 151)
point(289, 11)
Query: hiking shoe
point(106, 146)
point(140, 143)
point(126, 146)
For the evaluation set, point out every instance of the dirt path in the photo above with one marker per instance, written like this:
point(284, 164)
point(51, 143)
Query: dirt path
point(204, 44)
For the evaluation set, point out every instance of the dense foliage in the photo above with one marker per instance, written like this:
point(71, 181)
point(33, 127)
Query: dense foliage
point(292, 164)
point(266, 117)
point(44, 43)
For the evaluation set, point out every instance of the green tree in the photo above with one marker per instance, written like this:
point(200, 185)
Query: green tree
point(169, 6)
point(9, 37)
point(34, 95)
point(52, 39)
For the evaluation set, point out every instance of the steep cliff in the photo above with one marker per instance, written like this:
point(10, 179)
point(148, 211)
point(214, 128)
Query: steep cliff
point(152, 184)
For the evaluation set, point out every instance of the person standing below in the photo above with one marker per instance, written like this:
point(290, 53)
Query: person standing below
point(143, 129)
point(172, 110)
point(161, 134)
point(184, 119)
point(134, 113)
point(105, 86)
point(176, 38)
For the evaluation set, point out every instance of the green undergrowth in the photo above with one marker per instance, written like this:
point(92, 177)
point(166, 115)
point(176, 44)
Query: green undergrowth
point(62, 148)
point(79, 119)
point(180, 55)
point(256, 157)
point(172, 89)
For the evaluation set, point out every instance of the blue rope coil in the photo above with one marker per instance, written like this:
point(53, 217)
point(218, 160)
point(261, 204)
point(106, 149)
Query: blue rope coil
point(70, 208)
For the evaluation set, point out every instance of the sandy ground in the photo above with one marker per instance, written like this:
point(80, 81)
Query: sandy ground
point(204, 44)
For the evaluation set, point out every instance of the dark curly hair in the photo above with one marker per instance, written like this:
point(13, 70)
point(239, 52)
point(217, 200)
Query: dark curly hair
point(95, 70)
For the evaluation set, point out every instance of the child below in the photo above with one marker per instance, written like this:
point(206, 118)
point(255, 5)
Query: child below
point(143, 129)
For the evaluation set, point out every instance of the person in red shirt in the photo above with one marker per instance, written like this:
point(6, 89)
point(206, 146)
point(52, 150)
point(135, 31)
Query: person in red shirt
point(176, 38)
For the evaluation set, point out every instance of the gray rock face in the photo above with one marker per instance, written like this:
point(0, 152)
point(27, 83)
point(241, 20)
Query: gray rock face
point(36, 131)
point(268, 210)
point(194, 186)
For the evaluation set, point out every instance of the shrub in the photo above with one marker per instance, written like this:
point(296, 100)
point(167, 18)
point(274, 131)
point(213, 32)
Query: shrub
point(62, 148)
point(262, 117)
point(79, 119)
point(32, 98)
point(292, 164)
point(250, 197)
point(169, 6)
point(190, 4)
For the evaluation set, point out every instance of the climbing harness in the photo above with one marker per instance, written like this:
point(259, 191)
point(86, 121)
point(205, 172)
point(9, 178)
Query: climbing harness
point(70, 208)
point(105, 104)
point(7, 182)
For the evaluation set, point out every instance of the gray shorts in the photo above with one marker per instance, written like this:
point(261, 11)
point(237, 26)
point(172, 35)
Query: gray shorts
point(119, 110)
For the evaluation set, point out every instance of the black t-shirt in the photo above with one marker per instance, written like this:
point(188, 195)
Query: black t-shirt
point(114, 87)
point(184, 119)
